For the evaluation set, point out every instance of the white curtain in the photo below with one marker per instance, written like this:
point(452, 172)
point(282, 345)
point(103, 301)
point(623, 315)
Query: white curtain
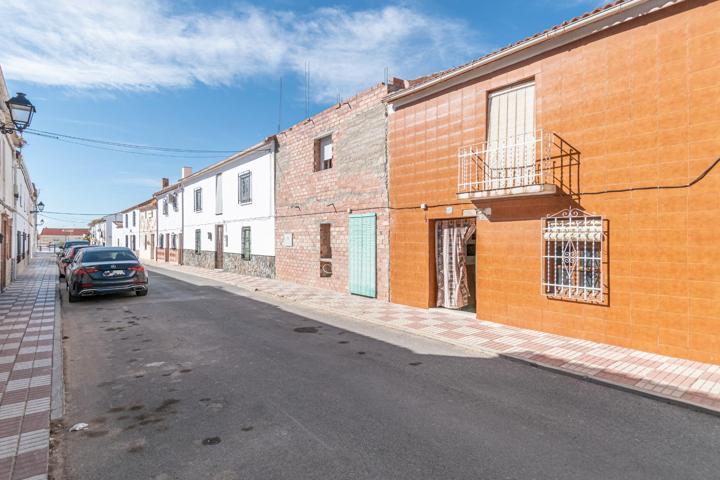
point(452, 283)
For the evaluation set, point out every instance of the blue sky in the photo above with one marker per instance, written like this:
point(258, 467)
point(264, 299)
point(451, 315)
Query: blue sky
point(205, 75)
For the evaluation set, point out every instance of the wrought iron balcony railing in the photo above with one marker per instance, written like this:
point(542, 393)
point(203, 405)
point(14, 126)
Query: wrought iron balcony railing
point(527, 164)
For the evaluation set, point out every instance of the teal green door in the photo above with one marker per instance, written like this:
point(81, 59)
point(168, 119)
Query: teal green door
point(362, 254)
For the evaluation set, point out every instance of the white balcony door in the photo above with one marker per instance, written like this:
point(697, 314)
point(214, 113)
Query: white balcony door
point(510, 156)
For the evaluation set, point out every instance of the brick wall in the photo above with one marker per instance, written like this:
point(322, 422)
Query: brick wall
point(641, 101)
point(357, 181)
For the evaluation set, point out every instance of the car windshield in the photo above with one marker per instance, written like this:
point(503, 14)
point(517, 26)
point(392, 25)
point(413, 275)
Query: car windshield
point(108, 256)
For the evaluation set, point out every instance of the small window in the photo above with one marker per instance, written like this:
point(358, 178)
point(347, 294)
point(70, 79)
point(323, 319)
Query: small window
point(165, 207)
point(245, 187)
point(134, 219)
point(323, 153)
point(197, 200)
point(126, 222)
point(325, 247)
point(198, 239)
point(573, 256)
point(245, 243)
point(218, 194)
point(160, 241)
point(173, 201)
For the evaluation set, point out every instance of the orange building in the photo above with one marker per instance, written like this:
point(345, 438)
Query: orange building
point(569, 181)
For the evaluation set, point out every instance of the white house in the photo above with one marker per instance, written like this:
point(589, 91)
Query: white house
point(147, 228)
point(169, 213)
point(229, 213)
point(101, 230)
point(130, 232)
point(24, 218)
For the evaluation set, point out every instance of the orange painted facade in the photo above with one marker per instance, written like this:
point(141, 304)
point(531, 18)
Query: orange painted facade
point(641, 102)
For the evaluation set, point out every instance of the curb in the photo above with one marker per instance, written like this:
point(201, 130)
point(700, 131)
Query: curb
point(57, 396)
point(507, 356)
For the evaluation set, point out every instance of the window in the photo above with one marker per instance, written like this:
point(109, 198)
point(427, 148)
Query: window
point(218, 194)
point(325, 247)
point(245, 255)
point(197, 199)
point(133, 240)
point(573, 256)
point(160, 241)
point(245, 187)
point(127, 241)
point(173, 200)
point(126, 221)
point(197, 241)
point(133, 217)
point(325, 250)
point(165, 207)
point(173, 243)
point(323, 153)
point(511, 140)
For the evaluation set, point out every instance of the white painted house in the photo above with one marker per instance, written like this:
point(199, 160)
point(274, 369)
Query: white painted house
point(101, 230)
point(129, 234)
point(169, 213)
point(229, 213)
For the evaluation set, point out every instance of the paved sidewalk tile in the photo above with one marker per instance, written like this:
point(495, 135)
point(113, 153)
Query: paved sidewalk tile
point(674, 378)
point(27, 312)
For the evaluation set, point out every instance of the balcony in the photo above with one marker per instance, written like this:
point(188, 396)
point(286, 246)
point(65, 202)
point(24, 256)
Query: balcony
point(534, 163)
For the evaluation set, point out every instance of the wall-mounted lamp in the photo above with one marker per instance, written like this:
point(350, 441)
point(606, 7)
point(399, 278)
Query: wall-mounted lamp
point(423, 206)
point(40, 208)
point(21, 113)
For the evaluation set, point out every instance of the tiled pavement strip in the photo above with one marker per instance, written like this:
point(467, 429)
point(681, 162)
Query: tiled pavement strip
point(677, 380)
point(27, 323)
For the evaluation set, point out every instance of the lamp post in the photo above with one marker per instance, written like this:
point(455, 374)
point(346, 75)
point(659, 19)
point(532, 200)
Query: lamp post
point(21, 113)
point(40, 208)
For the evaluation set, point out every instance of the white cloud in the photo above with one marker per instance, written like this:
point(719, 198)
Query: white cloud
point(145, 44)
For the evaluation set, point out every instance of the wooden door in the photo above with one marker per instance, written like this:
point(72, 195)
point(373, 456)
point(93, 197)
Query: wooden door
point(363, 255)
point(219, 237)
point(167, 247)
point(152, 246)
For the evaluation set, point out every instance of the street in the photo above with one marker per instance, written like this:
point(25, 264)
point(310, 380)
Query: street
point(194, 382)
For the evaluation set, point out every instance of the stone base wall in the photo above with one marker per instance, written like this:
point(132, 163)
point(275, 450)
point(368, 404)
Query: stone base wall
point(203, 259)
point(257, 266)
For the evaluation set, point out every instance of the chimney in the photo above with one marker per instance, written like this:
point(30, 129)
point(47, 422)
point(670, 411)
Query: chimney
point(186, 172)
point(165, 182)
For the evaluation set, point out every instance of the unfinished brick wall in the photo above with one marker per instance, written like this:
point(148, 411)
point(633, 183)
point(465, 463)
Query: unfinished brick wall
point(641, 102)
point(305, 198)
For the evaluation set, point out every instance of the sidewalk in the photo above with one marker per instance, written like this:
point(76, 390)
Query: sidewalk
point(676, 380)
point(27, 318)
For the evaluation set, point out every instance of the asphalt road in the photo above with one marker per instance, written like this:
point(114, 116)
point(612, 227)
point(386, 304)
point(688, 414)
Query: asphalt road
point(193, 382)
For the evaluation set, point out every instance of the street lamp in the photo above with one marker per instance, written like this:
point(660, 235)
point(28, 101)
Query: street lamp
point(21, 113)
point(40, 208)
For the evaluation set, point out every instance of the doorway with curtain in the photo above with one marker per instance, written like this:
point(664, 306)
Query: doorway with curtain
point(454, 246)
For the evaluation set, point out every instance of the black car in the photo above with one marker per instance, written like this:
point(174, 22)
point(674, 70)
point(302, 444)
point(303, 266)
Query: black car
point(105, 270)
point(71, 243)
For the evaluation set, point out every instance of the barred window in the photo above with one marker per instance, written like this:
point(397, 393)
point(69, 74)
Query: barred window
point(165, 207)
point(245, 187)
point(197, 200)
point(573, 256)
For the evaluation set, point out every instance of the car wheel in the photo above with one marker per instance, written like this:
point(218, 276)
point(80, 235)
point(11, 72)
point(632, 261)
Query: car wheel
point(141, 293)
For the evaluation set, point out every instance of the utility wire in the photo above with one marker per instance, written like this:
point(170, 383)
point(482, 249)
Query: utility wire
point(131, 152)
point(126, 145)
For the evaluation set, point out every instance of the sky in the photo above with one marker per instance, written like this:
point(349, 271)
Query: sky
point(206, 75)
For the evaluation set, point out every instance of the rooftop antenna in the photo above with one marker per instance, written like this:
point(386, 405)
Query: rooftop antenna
point(307, 89)
point(280, 106)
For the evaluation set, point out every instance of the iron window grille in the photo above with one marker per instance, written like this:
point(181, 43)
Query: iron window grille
point(245, 187)
point(165, 207)
point(198, 234)
point(572, 256)
point(246, 251)
point(197, 200)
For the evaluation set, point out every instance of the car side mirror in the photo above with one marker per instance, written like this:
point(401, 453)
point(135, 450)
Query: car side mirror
point(67, 260)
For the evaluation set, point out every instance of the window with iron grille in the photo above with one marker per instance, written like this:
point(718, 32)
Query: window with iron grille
point(161, 241)
point(197, 199)
point(165, 207)
point(173, 201)
point(134, 219)
point(245, 187)
point(245, 255)
point(573, 256)
point(198, 234)
point(173, 243)
point(323, 153)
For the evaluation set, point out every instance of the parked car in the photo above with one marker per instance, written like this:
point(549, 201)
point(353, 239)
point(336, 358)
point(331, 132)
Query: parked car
point(67, 257)
point(105, 270)
point(71, 243)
